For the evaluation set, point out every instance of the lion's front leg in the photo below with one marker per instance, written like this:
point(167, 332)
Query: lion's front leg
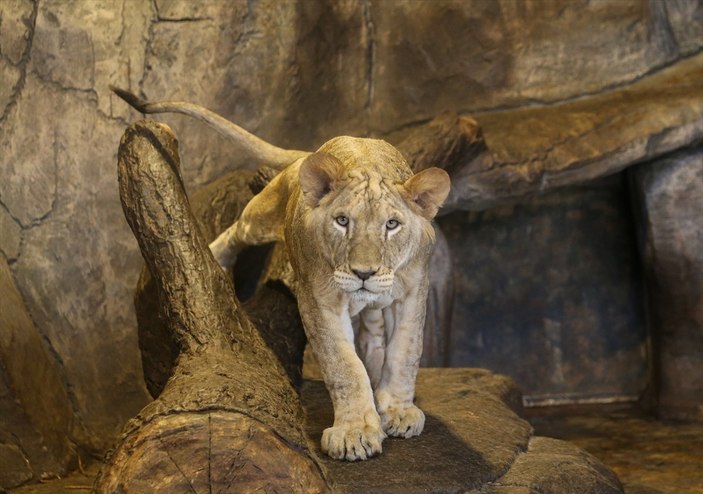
point(356, 433)
point(396, 392)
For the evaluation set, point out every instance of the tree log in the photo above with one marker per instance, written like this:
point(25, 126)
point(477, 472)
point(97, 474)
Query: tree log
point(215, 207)
point(229, 418)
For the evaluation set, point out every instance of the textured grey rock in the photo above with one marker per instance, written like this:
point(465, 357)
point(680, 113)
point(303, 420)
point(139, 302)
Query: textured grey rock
point(10, 235)
point(74, 268)
point(686, 21)
point(16, 30)
point(62, 49)
point(670, 215)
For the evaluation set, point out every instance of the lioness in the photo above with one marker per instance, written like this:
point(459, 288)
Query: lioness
point(356, 225)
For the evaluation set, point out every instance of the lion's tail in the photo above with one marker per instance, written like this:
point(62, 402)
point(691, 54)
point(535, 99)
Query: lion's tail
point(257, 148)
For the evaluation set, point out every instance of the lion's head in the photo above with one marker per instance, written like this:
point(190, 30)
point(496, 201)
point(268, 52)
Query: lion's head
point(369, 214)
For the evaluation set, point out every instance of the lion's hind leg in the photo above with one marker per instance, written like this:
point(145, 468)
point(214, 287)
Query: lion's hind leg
point(261, 222)
point(225, 248)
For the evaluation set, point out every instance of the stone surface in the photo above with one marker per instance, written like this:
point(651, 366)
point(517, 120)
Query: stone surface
point(14, 468)
point(296, 73)
point(554, 280)
point(11, 236)
point(649, 455)
point(500, 54)
point(670, 224)
point(25, 454)
point(75, 268)
point(74, 262)
point(16, 31)
point(36, 413)
point(686, 21)
point(474, 441)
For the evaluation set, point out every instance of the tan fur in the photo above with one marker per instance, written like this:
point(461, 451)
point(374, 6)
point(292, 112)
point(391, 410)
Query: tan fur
point(366, 334)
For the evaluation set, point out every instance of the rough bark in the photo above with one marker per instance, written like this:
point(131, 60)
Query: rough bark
point(214, 207)
point(229, 417)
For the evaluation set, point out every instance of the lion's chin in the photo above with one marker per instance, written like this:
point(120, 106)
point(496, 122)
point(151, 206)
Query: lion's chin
point(363, 295)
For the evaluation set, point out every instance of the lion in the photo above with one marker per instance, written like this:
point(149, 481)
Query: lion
point(356, 226)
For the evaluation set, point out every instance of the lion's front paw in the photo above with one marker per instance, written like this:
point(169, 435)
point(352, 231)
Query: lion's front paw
point(353, 441)
point(399, 421)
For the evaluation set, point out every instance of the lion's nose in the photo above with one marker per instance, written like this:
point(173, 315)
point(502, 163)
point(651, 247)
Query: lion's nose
point(364, 275)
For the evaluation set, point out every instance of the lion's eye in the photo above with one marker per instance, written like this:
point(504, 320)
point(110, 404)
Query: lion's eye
point(392, 224)
point(342, 220)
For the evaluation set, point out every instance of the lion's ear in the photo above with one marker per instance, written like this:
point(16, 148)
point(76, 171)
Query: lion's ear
point(428, 189)
point(317, 176)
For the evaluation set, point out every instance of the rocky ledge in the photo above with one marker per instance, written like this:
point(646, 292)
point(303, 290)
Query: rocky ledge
point(475, 441)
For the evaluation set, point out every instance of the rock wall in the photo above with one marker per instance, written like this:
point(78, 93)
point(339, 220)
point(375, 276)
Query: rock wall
point(296, 73)
point(669, 202)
